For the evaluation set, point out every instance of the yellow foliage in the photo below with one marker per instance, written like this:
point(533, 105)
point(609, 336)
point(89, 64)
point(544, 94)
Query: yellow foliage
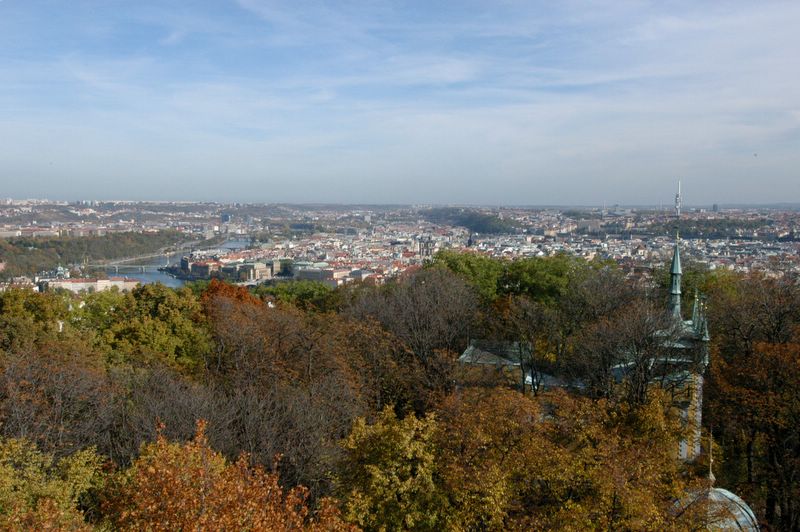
point(37, 492)
point(387, 477)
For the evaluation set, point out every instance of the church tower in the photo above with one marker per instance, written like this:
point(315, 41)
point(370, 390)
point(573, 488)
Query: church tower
point(691, 344)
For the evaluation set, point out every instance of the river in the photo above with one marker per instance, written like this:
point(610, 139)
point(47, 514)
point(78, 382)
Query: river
point(151, 273)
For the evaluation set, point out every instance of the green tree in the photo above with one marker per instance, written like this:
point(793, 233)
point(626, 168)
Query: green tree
point(28, 317)
point(481, 272)
point(154, 322)
point(306, 295)
point(542, 279)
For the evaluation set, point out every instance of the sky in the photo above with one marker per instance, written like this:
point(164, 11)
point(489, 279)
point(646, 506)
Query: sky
point(451, 102)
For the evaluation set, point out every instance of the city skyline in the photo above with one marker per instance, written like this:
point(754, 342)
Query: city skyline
point(487, 104)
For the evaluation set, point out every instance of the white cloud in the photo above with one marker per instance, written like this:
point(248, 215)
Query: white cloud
point(560, 103)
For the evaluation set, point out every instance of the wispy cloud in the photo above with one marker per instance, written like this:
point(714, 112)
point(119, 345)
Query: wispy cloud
point(367, 101)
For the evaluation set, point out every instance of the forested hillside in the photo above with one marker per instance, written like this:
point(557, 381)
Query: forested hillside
point(475, 221)
point(207, 408)
point(28, 256)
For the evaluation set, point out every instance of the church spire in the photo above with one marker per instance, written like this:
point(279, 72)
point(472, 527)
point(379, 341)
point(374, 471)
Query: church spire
point(675, 281)
point(704, 330)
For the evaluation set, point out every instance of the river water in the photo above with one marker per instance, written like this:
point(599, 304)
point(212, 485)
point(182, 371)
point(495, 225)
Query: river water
point(151, 273)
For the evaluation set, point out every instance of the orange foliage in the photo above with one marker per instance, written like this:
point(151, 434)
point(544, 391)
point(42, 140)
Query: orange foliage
point(219, 288)
point(189, 486)
point(46, 517)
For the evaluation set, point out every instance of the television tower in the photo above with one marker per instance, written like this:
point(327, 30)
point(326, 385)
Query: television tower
point(678, 201)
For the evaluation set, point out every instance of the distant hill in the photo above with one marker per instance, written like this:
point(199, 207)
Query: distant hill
point(474, 220)
point(28, 256)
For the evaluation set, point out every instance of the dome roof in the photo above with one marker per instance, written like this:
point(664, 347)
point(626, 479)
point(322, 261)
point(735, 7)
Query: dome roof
point(724, 510)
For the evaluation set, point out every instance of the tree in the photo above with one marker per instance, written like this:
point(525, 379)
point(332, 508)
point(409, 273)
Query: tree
point(386, 477)
point(58, 396)
point(38, 492)
point(28, 317)
point(486, 440)
point(531, 326)
point(763, 398)
point(594, 291)
point(156, 323)
point(542, 279)
point(481, 272)
point(604, 466)
point(632, 348)
point(430, 312)
point(304, 294)
point(752, 395)
point(189, 486)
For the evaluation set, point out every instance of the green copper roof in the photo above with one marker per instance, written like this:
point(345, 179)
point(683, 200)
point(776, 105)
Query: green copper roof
point(676, 261)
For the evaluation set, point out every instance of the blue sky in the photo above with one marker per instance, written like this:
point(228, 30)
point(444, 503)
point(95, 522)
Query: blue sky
point(497, 102)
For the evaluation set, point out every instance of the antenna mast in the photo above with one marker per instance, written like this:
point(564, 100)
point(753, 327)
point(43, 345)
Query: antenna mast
point(678, 201)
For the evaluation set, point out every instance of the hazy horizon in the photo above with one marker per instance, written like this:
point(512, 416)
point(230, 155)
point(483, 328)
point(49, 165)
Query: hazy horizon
point(486, 103)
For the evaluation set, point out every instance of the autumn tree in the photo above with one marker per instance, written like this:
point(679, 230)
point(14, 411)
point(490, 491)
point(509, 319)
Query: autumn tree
point(763, 402)
point(174, 486)
point(38, 492)
point(609, 467)
point(531, 329)
point(632, 349)
point(486, 440)
point(28, 317)
point(386, 477)
point(594, 291)
point(57, 395)
point(294, 381)
point(508, 461)
point(431, 313)
point(752, 392)
point(153, 323)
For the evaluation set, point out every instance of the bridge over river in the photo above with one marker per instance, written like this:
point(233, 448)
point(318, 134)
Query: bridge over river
point(146, 267)
point(140, 261)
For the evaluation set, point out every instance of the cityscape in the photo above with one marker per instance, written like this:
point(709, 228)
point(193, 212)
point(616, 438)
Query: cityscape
point(339, 244)
point(404, 266)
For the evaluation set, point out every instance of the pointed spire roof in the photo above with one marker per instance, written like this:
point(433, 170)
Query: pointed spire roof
point(703, 309)
point(696, 312)
point(676, 257)
point(675, 282)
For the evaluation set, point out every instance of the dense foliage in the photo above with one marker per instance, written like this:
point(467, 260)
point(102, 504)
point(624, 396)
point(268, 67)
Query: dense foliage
point(28, 256)
point(298, 406)
point(475, 221)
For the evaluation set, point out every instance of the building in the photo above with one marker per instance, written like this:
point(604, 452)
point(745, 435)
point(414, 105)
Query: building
point(684, 359)
point(718, 508)
point(78, 285)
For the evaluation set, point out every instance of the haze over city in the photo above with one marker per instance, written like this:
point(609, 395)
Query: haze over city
point(416, 102)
